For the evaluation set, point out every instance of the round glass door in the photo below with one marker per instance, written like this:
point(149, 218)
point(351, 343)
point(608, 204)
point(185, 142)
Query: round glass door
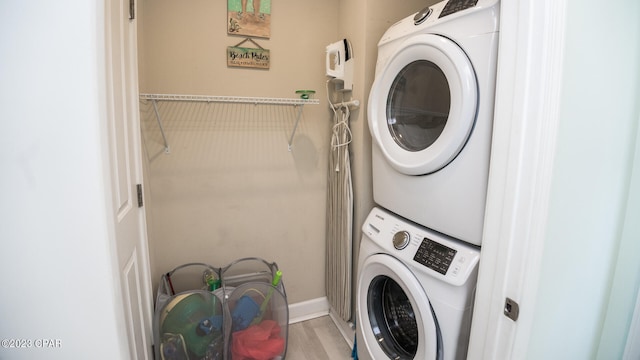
point(395, 318)
point(423, 104)
point(418, 105)
point(392, 319)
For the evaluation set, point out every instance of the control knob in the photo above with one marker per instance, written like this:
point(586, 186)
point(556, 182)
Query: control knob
point(401, 239)
point(422, 15)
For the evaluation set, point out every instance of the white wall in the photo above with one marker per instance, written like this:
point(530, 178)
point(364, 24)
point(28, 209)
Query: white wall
point(230, 188)
point(588, 233)
point(243, 194)
point(58, 281)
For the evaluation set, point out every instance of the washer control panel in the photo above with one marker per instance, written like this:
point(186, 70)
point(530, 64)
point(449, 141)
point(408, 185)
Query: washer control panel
point(435, 256)
point(421, 248)
point(453, 6)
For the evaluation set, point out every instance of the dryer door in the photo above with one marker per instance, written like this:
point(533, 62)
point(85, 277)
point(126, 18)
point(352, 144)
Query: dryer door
point(394, 312)
point(423, 104)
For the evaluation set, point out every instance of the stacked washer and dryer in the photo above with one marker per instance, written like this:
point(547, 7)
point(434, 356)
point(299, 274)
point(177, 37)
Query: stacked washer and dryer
point(430, 115)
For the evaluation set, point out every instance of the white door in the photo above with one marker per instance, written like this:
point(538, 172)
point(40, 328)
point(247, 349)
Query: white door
point(126, 174)
point(423, 104)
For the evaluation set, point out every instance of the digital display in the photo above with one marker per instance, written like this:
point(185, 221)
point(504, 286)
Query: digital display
point(435, 256)
point(453, 6)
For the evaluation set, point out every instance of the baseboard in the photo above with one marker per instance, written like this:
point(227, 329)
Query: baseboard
point(347, 329)
point(315, 308)
point(307, 310)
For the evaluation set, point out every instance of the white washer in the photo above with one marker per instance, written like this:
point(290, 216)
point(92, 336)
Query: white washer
point(430, 115)
point(415, 291)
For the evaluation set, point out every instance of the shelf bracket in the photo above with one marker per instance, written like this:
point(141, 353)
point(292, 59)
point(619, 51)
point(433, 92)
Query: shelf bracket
point(167, 150)
point(295, 126)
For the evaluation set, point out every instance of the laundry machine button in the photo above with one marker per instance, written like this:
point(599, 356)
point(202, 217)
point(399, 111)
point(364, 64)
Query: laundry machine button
point(401, 239)
point(456, 270)
point(422, 15)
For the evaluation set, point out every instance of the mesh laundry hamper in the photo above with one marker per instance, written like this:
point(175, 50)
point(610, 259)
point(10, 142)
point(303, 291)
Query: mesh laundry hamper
point(189, 317)
point(256, 306)
point(208, 313)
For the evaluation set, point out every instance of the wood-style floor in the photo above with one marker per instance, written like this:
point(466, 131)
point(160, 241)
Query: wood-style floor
point(317, 339)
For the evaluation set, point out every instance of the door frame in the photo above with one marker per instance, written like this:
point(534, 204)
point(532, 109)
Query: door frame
point(530, 62)
point(124, 166)
point(527, 115)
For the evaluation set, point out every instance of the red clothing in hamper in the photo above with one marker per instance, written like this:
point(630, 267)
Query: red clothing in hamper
point(258, 342)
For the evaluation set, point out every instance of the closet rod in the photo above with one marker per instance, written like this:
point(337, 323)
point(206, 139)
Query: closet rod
point(229, 99)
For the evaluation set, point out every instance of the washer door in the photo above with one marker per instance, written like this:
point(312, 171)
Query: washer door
point(423, 104)
point(394, 313)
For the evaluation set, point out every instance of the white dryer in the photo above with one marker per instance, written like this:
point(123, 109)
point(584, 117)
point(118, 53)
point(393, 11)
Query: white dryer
point(430, 115)
point(415, 291)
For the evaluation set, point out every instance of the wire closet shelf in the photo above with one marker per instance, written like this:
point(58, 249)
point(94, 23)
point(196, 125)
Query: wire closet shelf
point(229, 99)
point(154, 98)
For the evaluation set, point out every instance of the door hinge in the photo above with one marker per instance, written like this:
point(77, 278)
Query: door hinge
point(132, 9)
point(511, 309)
point(139, 189)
